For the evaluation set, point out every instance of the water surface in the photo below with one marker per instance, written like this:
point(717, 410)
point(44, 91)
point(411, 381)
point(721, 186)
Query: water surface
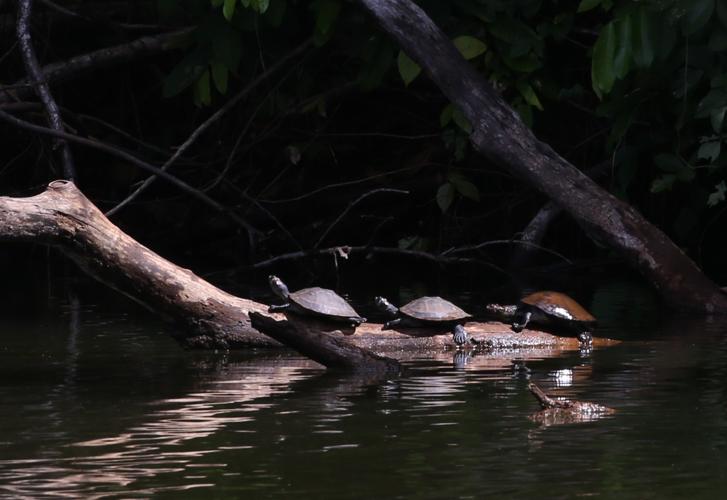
point(97, 403)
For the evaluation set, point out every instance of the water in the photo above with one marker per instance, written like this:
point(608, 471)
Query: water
point(97, 403)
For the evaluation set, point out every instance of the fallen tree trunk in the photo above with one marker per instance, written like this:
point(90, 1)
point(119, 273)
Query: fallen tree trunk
point(500, 135)
point(210, 318)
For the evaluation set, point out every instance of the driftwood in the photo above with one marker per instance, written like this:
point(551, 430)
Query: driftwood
point(63, 217)
point(500, 135)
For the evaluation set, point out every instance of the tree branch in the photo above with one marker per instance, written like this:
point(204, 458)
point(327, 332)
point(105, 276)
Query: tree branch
point(62, 71)
point(100, 146)
point(35, 75)
point(208, 122)
point(499, 134)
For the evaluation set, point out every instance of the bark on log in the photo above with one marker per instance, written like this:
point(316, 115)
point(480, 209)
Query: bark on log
point(500, 135)
point(211, 318)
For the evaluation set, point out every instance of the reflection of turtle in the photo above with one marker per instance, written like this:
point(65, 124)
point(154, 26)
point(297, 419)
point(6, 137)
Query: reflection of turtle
point(316, 301)
point(548, 307)
point(427, 311)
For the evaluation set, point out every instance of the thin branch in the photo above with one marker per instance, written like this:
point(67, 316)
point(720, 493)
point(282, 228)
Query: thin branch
point(100, 146)
point(108, 56)
point(353, 204)
point(207, 123)
point(35, 74)
point(505, 242)
point(345, 251)
point(342, 184)
point(75, 15)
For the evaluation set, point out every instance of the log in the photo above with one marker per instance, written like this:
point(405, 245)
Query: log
point(208, 317)
point(324, 344)
point(500, 135)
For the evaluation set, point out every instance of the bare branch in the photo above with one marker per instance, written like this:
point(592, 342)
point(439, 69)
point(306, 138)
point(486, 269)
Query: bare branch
point(353, 204)
point(35, 74)
point(207, 123)
point(100, 146)
point(65, 70)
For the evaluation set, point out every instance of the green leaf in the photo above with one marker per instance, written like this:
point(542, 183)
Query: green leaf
point(697, 16)
point(643, 29)
point(461, 120)
point(716, 117)
point(226, 45)
point(219, 76)
point(464, 187)
point(624, 47)
point(260, 6)
point(469, 46)
point(228, 9)
point(587, 5)
point(525, 64)
point(408, 69)
point(275, 13)
point(529, 95)
point(669, 162)
point(216, 3)
point(203, 87)
point(445, 196)
point(602, 71)
point(185, 73)
point(446, 116)
point(709, 151)
point(663, 183)
point(326, 13)
point(714, 100)
point(718, 196)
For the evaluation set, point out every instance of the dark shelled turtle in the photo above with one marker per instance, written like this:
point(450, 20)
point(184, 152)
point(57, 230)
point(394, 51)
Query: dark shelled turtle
point(427, 312)
point(316, 301)
point(548, 307)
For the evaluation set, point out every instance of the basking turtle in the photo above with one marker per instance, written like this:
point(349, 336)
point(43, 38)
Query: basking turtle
point(427, 311)
point(548, 307)
point(320, 302)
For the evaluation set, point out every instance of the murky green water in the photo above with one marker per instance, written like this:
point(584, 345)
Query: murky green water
point(98, 404)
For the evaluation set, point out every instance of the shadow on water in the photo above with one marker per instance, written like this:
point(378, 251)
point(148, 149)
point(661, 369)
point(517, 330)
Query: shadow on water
point(96, 404)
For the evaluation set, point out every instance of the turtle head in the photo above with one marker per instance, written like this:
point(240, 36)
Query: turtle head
point(385, 306)
point(278, 287)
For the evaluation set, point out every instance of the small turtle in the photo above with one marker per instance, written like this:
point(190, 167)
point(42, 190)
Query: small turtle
point(320, 302)
point(427, 311)
point(548, 307)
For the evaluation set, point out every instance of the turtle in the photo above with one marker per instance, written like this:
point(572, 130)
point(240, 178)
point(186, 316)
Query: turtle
point(427, 311)
point(548, 307)
point(315, 301)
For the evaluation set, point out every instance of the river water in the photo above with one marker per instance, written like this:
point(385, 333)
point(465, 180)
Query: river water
point(97, 402)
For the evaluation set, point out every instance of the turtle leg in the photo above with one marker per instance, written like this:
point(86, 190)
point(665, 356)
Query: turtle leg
point(521, 321)
point(356, 320)
point(280, 307)
point(459, 334)
point(389, 324)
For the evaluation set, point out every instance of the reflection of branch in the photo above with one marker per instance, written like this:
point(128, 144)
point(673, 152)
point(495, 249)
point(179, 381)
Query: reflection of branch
point(353, 204)
point(64, 70)
point(35, 74)
point(344, 251)
point(207, 123)
point(100, 146)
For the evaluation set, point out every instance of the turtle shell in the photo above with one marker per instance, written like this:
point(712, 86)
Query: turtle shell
point(559, 305)
point(433, 309)
point(323, 301)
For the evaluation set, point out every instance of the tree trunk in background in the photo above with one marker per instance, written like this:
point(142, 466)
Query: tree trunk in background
point(500, 135)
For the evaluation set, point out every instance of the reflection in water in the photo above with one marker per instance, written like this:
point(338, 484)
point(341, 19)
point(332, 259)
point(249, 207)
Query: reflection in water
point(105, 408)
point(156, 446)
